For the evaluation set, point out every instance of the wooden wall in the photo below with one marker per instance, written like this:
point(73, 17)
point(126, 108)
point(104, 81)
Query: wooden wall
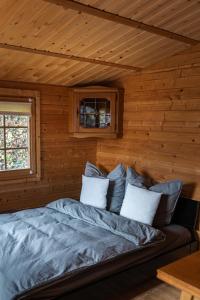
point(161, 123)
point(161, 134)
point(62, 157)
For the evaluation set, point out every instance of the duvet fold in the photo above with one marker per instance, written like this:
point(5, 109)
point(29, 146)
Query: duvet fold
point(136, 232)
point(39, 246)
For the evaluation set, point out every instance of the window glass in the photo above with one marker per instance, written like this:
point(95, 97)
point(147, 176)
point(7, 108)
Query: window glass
point(16, 120)
point(1, 138)
point(14, 142)
point(95, 113)
point(1, 120)
point(17, 159)
point(2, 160)
point(16, 137)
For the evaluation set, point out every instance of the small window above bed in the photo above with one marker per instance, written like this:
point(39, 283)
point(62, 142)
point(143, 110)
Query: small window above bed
point(19, 135)
point(95, 112)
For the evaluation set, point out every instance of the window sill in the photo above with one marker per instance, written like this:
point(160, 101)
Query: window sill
point(18, 178)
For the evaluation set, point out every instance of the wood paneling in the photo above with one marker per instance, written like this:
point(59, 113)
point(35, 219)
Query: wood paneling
point(50, 28)
point(46, 53)
point(161, 135)
point(62, 157)
point(115, 18)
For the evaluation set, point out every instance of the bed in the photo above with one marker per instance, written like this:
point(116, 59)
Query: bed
point(48, 251)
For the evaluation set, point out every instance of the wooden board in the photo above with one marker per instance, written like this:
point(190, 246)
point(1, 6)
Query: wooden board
point(49, 28)
point(183, 274)
point(161, 136)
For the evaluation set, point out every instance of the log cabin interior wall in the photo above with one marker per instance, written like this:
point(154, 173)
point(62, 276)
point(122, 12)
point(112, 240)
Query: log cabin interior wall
point(68, 43)
point(161, 123)
point(62, 157)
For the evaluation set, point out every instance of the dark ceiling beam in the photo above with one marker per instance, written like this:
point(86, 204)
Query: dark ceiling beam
point(67, 57)
point(74, 5)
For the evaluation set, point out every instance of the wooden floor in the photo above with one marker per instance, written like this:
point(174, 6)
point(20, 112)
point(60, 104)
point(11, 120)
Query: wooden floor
point(123, 290)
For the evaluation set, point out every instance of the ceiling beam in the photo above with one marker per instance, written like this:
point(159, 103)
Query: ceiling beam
point(70, 4)
point(68, 57)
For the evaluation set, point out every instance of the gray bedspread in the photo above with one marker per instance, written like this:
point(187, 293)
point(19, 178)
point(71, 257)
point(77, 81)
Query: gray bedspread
point(43, 244)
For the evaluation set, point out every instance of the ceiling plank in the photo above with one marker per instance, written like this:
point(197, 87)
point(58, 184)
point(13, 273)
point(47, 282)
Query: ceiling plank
point(74, 5)
point(68, 56)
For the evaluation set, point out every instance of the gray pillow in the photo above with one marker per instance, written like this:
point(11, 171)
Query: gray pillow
point(170, 193)
point(92, 171)
point(134, 178)
point(116, 189)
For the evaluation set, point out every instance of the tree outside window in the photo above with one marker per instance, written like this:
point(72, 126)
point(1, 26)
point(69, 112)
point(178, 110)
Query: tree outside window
point(19, 136)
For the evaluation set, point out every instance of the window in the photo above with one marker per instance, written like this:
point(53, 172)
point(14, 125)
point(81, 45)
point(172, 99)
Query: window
point(19, 135)
point(95, 113)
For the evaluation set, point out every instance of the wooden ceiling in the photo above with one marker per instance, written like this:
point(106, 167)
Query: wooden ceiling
point(65, 42)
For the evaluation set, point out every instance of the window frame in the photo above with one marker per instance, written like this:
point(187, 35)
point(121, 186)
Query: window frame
point(34, 172)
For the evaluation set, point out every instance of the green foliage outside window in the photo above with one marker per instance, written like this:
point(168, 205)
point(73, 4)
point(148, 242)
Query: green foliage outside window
point(14, 142)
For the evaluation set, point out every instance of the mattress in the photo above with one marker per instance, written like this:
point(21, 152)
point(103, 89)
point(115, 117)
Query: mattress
point(176, 237)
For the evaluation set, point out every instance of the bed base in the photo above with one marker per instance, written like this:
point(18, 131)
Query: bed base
point(138, 273)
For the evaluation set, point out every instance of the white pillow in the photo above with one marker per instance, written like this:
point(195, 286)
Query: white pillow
point(94, 191)
point(140, 204)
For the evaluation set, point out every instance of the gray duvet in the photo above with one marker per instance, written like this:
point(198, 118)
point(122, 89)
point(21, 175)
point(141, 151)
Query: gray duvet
point(40, 245)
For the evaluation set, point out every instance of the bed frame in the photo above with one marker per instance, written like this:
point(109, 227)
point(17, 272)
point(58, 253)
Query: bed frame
point(186, 214)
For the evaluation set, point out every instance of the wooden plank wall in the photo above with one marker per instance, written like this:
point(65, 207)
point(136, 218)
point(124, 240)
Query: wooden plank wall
point(62, 157)
point(161, 123)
